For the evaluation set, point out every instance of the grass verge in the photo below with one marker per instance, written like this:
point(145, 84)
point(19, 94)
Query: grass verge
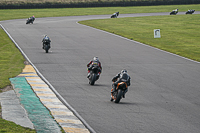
point(12, 61)
point(8, 14)
point(179, 34)
point(10, 66)
point(11, 127)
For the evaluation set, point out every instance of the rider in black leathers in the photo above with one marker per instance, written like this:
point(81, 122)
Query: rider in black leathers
point(93, 62)
point(32, 19)
point(47, 40)
point(121, 77)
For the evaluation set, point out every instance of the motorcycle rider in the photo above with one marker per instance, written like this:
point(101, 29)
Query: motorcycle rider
point(121, 77)
point(47, 40)
point(93, 62)
point(115, 14)
point(176, 10)
point(191, 10)
point(32, 18)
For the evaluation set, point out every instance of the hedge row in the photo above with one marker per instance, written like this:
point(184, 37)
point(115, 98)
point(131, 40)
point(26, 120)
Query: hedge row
point(97, 4)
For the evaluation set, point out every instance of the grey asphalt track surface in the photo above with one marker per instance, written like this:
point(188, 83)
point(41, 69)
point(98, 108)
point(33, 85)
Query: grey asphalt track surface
point(164, 96)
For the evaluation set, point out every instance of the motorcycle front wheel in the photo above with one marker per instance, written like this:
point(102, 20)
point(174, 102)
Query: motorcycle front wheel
point(27, 22)
point(92, 79)
point(46, 48)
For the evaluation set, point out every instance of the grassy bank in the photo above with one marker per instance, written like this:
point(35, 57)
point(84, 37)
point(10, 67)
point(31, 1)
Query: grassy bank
point(10, 58)
point(11, 127)
point(55, 12)
point(179, 34)
point(11, 64)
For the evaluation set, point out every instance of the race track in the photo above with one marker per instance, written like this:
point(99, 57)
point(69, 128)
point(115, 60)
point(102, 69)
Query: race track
point(164, 96)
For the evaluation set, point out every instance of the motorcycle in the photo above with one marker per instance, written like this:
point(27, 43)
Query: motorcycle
point(30, 20)
point(119, 93)
point(190, 12)
point(114, 15)
point(94, 76)
point(173, 12)
point(46, 46)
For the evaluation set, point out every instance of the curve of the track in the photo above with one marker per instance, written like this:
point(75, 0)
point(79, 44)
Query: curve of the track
point(164, 95)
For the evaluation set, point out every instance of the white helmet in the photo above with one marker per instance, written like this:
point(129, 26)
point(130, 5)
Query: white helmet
point(46, 38)
point(96, 59)
point(124, 71)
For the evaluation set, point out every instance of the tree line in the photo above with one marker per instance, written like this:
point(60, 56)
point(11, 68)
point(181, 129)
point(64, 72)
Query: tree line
point(91, 3)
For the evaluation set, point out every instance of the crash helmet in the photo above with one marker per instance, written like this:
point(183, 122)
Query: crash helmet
point(33, 16)
point(96, 59)
point(124, 71)
point(46, 38)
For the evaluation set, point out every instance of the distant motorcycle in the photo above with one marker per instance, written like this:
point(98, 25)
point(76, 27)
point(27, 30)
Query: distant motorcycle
point(46, 43)
point(94, 76)
point(115, 15)
point(46, 47)
point(120, 91)
point(174, 12)
point(30, 20)
point(190, 11)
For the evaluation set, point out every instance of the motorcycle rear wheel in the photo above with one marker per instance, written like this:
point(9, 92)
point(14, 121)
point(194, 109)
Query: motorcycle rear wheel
point(111, 99)
point(119, 96)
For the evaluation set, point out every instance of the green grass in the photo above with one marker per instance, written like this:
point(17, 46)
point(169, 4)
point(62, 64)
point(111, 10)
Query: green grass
point(8, 14)
point(11, 127)
point(179, 34)
point(10, 58)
